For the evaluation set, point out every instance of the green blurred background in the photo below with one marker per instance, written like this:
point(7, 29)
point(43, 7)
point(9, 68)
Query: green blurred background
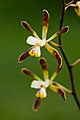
point(16, 96)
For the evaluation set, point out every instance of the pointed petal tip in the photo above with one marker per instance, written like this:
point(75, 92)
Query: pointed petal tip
point(46, 12)
point(64, 29)
point(46, 16)
point(23, 56)
point(62, 93)
point(54, 86)
point(23, 23)
point(22, 70)
point(36, 104)
point(42, 58)
point(19, 61)
point(34, 109)
point(26, 71)
point(27, 26)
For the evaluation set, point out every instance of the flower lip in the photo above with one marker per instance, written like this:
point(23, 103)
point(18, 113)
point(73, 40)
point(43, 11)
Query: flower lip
point(41, 93)
point(35, 51)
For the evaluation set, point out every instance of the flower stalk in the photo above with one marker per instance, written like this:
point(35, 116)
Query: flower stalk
point(65, 58)
point(75, 63)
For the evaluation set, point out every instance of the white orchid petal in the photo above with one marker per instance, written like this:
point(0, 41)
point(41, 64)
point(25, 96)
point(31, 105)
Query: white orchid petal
point(36, 84)
point(43, 42)
point(32, 40)
point(46, 83)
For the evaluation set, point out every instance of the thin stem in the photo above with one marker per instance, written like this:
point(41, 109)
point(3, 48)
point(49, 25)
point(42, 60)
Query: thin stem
point(70, 3)
point(75, 63)
point(66, 60)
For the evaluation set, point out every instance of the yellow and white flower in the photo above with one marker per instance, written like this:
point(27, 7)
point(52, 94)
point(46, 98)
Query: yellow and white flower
point(42, 86)
point(35, 51)
point(37, 43)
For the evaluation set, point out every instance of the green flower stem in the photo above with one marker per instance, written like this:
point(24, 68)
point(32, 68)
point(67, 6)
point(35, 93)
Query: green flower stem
point(75, 63)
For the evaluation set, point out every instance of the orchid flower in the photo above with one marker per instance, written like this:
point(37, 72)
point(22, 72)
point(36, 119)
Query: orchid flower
point(77, 10)
point(37, 43)
point(42, 86)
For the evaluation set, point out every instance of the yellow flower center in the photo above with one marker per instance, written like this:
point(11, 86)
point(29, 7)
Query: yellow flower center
point(41, 93)
point(33, 53)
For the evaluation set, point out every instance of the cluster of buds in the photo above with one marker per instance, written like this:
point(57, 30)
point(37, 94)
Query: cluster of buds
point(35, 51)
